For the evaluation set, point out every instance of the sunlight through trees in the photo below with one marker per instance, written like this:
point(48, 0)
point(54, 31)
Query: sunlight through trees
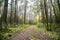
point(42, 13)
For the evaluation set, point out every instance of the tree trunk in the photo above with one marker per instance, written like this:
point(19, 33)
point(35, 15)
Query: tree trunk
point(46, 13)
point(16, 13)
point(25, 12)
point(5, 11)
point(58, 1)
point(54, 11)
point(42, 11)
point(11, 15)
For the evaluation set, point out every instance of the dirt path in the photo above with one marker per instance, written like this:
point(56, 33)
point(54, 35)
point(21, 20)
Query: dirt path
point(30, 33)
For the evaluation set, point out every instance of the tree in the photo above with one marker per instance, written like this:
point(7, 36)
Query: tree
point(0, 5)
point(0, 15)
point(11, 15)
point(42, 10)
point(15, 14)
point(25, 11)
point(58, 1)
point(3, 18)
point(5, 11)
point(58, 17)
point(46, 12)
point(54, 9)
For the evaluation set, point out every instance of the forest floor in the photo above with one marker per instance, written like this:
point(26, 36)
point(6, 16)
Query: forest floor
point(30, 33)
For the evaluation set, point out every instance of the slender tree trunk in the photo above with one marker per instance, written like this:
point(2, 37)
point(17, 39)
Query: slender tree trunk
point(46, 13)
point(58, 1)
point(42, 11)
point(25, 12)
point(5, 11)
point(4, 15)
point(0, 20)
point(11, 15)
point(58, 21)
point(54, 10)
point(1, 16)
point(16, 13)
point(50, 19)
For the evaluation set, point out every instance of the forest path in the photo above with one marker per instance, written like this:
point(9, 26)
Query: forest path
point(30, 33)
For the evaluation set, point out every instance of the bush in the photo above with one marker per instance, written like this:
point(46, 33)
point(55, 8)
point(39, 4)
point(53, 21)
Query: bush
point(1, 36)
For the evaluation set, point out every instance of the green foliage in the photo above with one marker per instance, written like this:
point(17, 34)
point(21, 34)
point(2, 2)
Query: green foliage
point(55, 27)
point(1, 36)
point(20, 20)
point(54, 35)
point(12, 30)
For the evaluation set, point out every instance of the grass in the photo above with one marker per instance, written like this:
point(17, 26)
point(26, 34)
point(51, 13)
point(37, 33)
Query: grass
point(52, 34)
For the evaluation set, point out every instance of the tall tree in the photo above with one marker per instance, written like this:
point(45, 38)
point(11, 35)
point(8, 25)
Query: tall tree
point(5, 11)
point(0, 16)
point(54, 9)
point(46, 12)
point(58, 4)
point(11, 15)
point(25, 11)
point(15, 15)
point(58, 1)
point(0, 5)
point(42, 10)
